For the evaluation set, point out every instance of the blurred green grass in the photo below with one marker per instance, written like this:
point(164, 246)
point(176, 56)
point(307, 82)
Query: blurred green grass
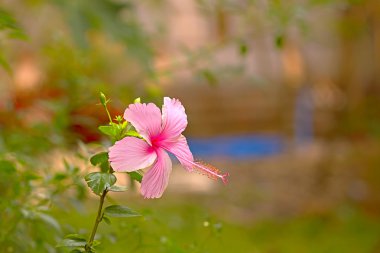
point(190, 227)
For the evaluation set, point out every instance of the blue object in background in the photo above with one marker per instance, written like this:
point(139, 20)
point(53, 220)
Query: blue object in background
point(237, 147)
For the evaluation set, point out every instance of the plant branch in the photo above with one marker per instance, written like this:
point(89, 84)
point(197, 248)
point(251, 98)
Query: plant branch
point(97, 221)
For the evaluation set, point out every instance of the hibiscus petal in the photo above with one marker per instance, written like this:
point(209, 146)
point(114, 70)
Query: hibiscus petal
point(146, 118)
point(130, 154)
point(156, 179)
point(181, 150)
point(174, 119)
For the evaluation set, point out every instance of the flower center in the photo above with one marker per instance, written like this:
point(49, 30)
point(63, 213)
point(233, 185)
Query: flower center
point(156, 141)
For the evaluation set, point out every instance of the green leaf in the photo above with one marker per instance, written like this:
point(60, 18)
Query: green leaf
point(107, 130)
point(120, 211)
point(135, 176)
point(133, 134)
point(106, 220)
point(101, 159)
point(99, 181)
point(72, 242)
point(117, 188)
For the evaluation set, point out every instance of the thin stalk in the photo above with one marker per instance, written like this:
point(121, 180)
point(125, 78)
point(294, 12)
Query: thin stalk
point(108, 113)
point(97, 221)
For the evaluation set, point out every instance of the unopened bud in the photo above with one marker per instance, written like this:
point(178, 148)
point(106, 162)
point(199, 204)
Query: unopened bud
point(103, 98)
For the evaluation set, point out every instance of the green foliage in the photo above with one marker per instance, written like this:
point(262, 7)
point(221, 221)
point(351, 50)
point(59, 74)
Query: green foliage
point(12, 30)
point(209, 76)
point(100, 181)
point(136, 175)
point(25, 222)
point(101, 160)
point(106, 220)
point(72, 241)
point(103, 182)
point(107, 130)
point(118, 131)
point(243, 49)
point(10, 26)
point(106, 16)
point(117, 188)
point(280, 41)
point(120, 211)
point(185, 225)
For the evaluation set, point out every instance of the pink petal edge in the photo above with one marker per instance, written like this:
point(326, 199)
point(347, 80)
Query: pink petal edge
point(156, 179)
point(174, 118)
point(181, 150)
point(146, 118)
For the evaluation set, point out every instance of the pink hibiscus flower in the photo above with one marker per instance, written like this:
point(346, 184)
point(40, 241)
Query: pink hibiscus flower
point(162, 134)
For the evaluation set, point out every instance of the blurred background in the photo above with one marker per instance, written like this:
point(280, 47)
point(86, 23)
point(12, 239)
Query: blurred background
point(283, 95)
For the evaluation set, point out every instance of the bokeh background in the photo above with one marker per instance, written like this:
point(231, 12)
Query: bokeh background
point(283, 95)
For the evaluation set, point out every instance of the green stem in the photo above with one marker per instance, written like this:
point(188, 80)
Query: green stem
point(108, 113)
point(97, 221)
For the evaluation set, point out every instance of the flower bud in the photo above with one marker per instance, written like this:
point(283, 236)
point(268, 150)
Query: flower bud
point(103, 99)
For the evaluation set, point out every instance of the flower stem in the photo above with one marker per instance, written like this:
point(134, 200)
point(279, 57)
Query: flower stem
point(97, 221)
point(108, 114)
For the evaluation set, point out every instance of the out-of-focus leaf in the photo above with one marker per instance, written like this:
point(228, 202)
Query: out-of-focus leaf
point(4, 63)
point(48, 220)
point(105, 15)
point(72, 242)
point(10, 183)
point(9, 24)
point(120, 211)
point(279, 41)
point(59, 176)
point(243, 49)
point(7, 167)
point(210, 77)
point(74, 237)
point(99, 181)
